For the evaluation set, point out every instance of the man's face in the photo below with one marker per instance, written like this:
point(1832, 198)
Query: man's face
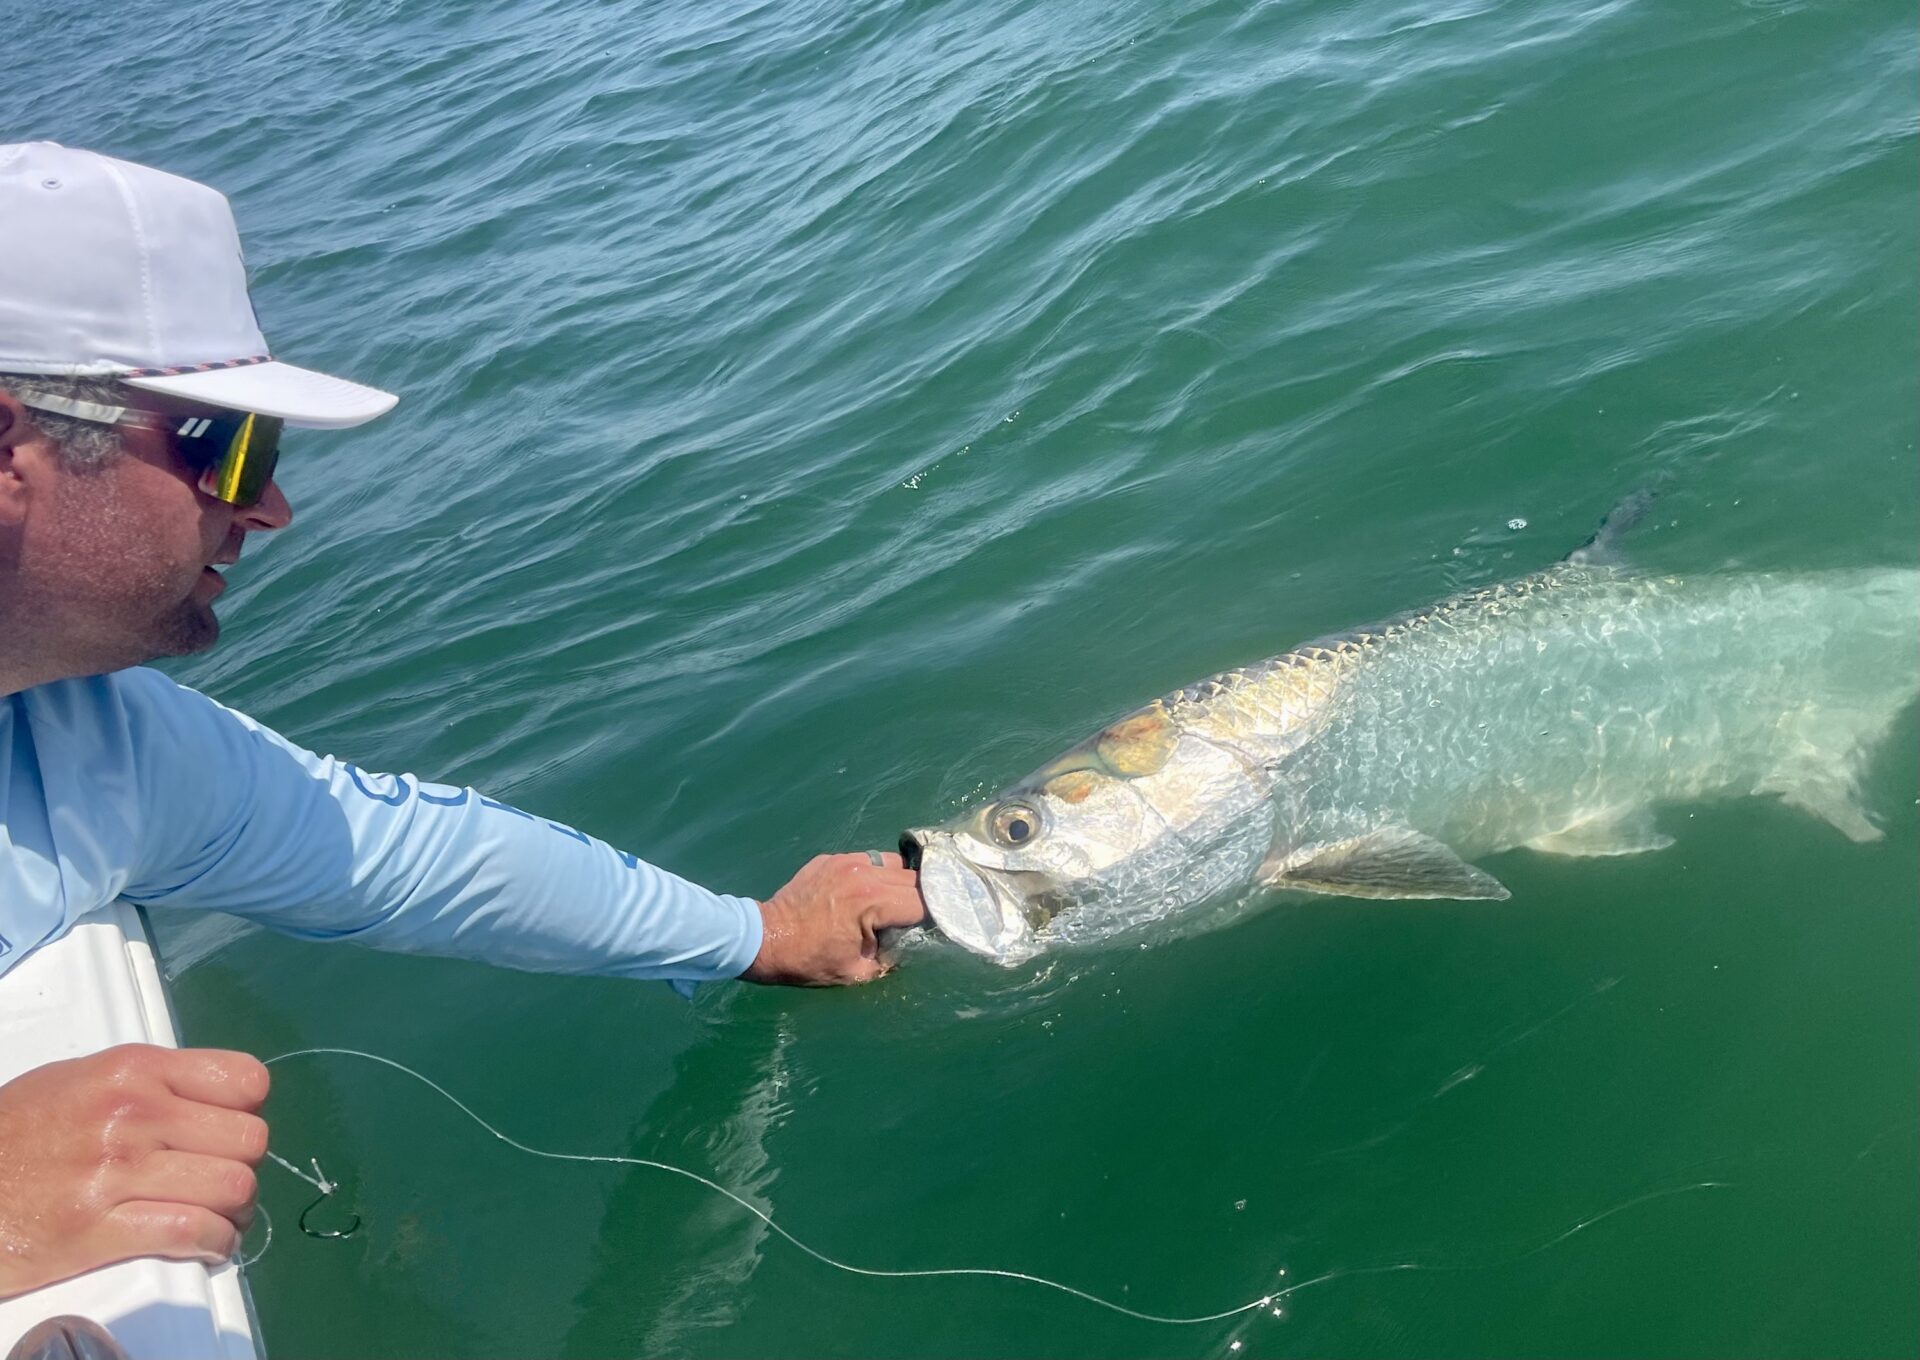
point(117, 565)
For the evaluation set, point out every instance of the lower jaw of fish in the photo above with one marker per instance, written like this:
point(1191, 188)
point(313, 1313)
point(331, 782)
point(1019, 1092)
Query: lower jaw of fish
point(969, 907)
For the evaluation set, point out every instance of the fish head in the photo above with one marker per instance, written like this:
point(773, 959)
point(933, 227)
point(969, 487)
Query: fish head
point(1126, 818)
point(993, 877)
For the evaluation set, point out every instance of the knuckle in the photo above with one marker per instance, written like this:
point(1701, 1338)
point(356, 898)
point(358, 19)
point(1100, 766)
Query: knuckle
point(174, 1229)
point(96, 1192)
point(184, 1232)
point(221, 1239)
point(127, 1065)
point(238, 1186)
point(247, 1074)
point(251, 1138)
point(116, 1113)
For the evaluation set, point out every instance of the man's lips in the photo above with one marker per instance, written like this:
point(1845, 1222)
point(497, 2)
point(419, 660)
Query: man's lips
point(230, 553)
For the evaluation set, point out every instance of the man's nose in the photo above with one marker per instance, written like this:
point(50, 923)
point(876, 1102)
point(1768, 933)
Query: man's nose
point(271, 511)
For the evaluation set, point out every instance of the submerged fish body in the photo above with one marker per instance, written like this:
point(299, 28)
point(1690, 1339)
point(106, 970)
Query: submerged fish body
point(1551, 712)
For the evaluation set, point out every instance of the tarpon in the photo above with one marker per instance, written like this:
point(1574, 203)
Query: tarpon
point(1552, 712)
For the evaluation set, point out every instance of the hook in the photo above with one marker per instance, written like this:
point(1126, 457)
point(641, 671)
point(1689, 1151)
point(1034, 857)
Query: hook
point(318, 1200)
point(326, 1187)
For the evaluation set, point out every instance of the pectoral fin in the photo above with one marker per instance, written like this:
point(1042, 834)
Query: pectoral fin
point(1394, 861)
point(1603, 549)
point(1833, 802)
point(1626, 833)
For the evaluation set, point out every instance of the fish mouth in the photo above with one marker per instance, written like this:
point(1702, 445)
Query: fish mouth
point(968, 907)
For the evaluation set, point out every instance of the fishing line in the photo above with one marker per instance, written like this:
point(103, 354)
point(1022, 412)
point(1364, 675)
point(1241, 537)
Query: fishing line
point(245, 1262)
point(758, 1213)
point(326, 1188)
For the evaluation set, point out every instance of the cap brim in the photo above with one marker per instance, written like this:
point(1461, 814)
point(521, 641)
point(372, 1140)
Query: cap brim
point(298, 396)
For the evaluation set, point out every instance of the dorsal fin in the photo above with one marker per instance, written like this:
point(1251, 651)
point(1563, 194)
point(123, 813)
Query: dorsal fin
point(1603, 549)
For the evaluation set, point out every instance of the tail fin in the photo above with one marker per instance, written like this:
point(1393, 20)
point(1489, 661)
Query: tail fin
point(1603, 549)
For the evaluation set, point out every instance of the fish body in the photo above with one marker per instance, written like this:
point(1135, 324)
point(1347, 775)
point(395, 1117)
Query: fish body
point(1552, 712)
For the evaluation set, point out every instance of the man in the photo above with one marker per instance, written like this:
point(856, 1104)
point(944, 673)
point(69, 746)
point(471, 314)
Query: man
point(140, 417)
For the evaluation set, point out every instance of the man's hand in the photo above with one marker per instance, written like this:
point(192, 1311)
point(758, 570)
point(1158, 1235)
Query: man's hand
point(136, 1151)
point(822, 928)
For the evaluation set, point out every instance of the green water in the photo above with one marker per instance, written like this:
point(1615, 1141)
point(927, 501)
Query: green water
point(815, 415)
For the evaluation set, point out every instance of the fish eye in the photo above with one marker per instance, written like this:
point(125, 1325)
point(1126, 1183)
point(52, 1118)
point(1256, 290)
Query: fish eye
point(1014, 824)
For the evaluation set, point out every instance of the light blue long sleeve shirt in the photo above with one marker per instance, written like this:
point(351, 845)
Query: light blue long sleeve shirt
point(130, 786)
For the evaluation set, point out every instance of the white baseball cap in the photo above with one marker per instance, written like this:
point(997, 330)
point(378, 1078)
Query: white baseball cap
point(109, 269)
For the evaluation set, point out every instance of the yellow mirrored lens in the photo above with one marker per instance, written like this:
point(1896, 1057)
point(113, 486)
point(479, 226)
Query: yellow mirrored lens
point(239, 470)
point(232, 472)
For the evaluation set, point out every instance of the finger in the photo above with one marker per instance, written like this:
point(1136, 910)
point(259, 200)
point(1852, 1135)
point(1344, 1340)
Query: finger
point(866, 970)
point(216, 1076)
point(186, 1126)
point(177, 1232)
point(897, 909)
point(884, 859)
point(226, 1187)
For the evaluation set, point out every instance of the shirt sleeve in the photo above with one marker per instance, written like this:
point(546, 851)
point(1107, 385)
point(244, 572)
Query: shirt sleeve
point(235, 818)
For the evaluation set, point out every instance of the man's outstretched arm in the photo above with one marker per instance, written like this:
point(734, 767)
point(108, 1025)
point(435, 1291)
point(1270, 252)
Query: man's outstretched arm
point(248, 823)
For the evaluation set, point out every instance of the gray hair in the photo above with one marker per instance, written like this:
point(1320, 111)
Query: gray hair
point(83, 445)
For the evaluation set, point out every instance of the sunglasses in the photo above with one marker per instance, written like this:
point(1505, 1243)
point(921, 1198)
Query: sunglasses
point(233, 451)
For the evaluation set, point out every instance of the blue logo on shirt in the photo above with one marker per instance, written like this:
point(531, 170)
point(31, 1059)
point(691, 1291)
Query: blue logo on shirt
point(401, 790)
point(4, 946)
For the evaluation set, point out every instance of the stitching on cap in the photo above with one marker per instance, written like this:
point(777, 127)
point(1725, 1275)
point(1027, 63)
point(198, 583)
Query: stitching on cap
point(146, 260)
